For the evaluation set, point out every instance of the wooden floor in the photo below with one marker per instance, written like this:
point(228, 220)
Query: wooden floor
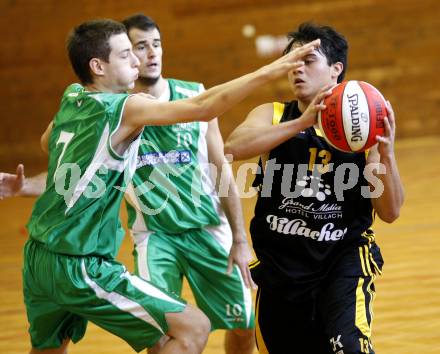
point(407, 306)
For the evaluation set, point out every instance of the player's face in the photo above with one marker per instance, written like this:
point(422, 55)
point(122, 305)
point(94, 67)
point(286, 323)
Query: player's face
point(147, 47)
point(309, 79)
point(122, 70)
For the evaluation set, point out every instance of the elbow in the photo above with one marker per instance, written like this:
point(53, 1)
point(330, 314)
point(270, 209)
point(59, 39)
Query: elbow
point(393, 213)
point(228, 148)
point(390, 215)
point(232, 151)
point(390, 212)
point(44, 144)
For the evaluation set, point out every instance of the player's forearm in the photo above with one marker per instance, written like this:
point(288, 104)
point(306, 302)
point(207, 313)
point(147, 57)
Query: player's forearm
point(221, 98)
point(34, 186)
point(232, 207)
point(246, 142)
point(230, 201)
point(388, 204)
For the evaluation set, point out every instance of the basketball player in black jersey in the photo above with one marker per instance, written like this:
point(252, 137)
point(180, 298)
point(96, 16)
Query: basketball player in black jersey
point(316, 250)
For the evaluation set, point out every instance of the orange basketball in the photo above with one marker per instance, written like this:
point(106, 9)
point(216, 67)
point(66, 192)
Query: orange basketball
point(354, 116)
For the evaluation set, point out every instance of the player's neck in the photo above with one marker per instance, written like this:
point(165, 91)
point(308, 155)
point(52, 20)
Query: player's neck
point(302, 105)
point(155, 89)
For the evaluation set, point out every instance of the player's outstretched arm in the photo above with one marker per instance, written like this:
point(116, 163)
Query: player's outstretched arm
point(140, 111)
point(16, 185)
point(257, 135)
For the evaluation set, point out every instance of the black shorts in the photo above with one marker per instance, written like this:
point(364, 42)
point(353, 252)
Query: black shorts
point(336, 319)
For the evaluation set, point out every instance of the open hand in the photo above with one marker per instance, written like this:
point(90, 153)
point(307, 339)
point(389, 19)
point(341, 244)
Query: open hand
point(241, 255)
point(386, 142)
point(310, 115)
point(11, 185)
point(291, 60)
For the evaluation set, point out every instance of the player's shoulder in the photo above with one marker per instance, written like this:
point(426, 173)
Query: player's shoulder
point(72, 92)
point(270, 113)
point(272, 106)
point(80, 104)
point(78, 95)
point(266, 109)
point(73, 89)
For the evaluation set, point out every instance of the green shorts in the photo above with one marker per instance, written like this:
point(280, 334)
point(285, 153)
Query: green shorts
point(63, 292)
point(201, 257)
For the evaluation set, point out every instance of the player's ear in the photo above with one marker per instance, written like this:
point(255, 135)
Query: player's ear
point(337, 69)
point(96, 67)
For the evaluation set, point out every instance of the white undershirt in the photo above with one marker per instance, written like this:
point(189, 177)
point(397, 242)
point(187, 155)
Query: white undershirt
point(166, 94)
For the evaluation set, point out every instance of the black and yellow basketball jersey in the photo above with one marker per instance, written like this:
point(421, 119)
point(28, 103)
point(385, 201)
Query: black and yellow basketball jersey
point(313, 207)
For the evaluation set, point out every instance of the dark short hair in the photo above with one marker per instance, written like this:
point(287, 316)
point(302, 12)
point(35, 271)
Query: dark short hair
point(91, 40)
point(140, 21)
point(333, 44)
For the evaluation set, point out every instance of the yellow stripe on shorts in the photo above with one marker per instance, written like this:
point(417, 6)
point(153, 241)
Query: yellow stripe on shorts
point(253, 264)
point(362, 260)
point(367, 261)
point(361, 311)
point(262, 349)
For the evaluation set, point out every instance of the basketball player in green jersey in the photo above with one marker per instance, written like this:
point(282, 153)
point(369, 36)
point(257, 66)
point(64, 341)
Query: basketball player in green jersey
point(317, 255)
point(179, 227)
point(70, 274)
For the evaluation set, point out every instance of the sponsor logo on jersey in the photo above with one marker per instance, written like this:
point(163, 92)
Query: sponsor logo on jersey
point(299, 227)
point(184, 126)
point(159, 158)
point(311, 210)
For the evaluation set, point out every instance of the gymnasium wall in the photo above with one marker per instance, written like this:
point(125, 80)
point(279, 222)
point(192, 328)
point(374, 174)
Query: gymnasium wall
point(394, 45)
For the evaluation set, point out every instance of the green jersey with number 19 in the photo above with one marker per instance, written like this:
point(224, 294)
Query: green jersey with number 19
point(172, 190)
point(78, 214)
